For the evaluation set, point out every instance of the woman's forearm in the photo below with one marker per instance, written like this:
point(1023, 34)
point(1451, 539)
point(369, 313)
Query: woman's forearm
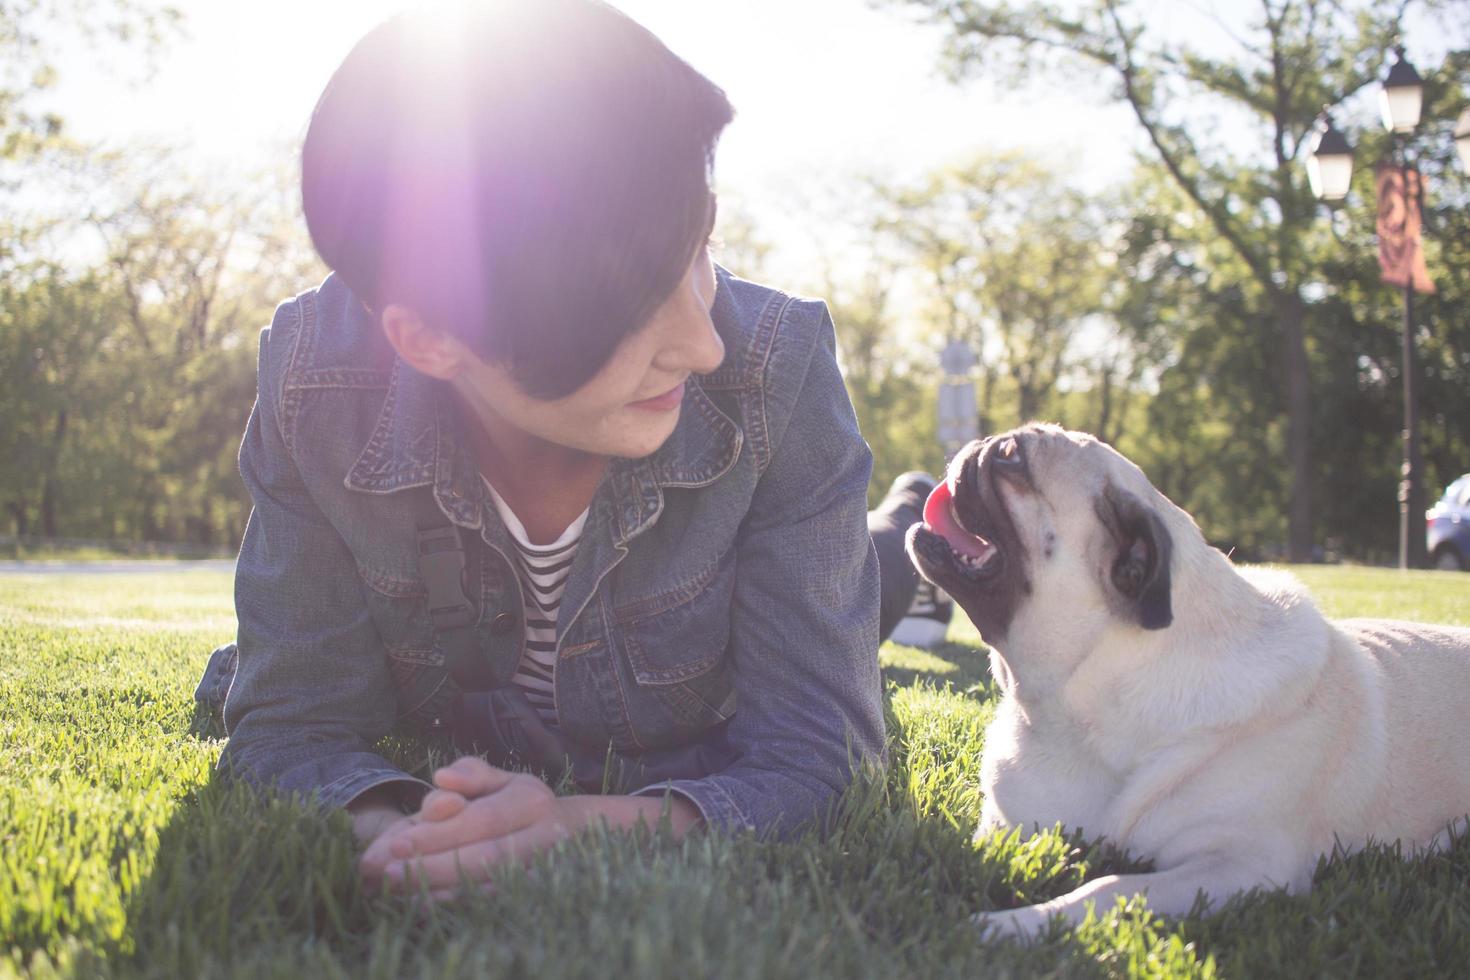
point(630, 811)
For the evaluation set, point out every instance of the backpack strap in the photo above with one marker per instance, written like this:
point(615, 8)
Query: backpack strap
point(444, 553)
point(499, 721)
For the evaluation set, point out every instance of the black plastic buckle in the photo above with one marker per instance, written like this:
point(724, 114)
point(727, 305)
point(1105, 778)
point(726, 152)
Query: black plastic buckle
point(441, 565)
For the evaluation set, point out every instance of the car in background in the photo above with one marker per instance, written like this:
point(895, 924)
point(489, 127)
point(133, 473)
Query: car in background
point(1448, 529)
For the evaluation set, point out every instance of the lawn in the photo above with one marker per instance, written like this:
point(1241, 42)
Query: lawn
point(122, 857)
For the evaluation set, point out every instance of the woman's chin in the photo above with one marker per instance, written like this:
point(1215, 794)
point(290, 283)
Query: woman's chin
point(642, 437)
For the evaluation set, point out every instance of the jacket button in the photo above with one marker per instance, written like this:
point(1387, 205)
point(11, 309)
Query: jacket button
point(503, 623)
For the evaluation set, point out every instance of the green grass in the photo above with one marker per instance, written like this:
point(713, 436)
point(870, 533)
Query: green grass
point(56, 554)
point(121, 857)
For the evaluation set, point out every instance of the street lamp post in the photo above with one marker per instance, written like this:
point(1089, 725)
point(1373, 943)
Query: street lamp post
point(1400, 198)
point(1402, 100)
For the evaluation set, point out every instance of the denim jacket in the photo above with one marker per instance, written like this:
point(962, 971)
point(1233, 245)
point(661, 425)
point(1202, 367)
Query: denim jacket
point(726, 580)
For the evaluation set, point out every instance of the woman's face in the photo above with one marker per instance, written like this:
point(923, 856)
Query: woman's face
point(631, 405)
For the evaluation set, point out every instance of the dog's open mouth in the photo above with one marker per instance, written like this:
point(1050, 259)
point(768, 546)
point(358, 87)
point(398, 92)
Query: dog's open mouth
point(959, 541)
point(975, 555)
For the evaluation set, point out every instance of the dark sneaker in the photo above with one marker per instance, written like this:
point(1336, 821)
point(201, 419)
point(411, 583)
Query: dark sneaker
point(927, 622)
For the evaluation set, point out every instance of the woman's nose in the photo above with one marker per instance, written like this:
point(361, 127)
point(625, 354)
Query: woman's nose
point(706, 349)
point(691, 342)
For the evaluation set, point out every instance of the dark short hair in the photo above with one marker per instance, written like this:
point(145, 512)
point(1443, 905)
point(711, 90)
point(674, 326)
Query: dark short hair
point(532, 176)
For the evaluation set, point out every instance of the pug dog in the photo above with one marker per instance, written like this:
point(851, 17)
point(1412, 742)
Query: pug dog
point(1203, 716)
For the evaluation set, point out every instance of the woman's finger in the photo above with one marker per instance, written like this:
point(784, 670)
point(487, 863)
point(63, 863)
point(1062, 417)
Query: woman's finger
point(474, 862)
point(440, 804)
point(472, 776)
point(523, 801)
point(378, 854)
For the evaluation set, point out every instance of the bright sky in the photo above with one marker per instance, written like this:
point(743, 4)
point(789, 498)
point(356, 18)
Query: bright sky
point(825, 91)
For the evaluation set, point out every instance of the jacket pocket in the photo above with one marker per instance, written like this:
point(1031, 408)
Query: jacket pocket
point(421, 683)
point(677, 646)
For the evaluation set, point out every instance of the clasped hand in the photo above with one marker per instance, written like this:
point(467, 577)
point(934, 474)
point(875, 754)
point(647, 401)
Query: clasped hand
point(476, 817)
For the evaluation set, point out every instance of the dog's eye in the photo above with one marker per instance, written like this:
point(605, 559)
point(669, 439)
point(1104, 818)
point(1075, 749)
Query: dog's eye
point(1008, 448)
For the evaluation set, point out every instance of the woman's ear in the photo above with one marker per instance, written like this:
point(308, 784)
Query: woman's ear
point(425, 349)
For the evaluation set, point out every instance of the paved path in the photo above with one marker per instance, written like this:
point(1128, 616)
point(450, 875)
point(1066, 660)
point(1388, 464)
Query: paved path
point(113, 567)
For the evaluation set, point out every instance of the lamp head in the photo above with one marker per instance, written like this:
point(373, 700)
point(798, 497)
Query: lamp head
point(1329, 161)
point(1403, 95)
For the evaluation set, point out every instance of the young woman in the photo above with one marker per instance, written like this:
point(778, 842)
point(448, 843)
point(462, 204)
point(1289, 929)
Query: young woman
point(531, 473)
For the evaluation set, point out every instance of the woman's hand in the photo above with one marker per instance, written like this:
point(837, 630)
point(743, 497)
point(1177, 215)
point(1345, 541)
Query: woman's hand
point(376, 815)
point(478, 817)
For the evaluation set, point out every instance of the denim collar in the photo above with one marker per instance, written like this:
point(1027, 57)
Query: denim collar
point(415, 443)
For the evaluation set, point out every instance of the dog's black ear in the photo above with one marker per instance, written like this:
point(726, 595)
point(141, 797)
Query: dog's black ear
point(1140, 569)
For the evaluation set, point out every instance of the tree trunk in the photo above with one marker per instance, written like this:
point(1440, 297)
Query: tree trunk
point(1105, 404)
point(49, 525)
point(1024, 403)
point(18, 511)
point(1027, 397)
point(1298, 428)
point(149, 529)
point(48, 509)
point(987, 402)
point(204, 525)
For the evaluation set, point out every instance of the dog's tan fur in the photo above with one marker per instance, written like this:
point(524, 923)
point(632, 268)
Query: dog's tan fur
point(1232, 746)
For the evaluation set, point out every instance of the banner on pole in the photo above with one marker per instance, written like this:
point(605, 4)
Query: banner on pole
point(1400, 247)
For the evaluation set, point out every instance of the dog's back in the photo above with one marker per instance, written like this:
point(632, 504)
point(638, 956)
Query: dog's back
point(1424, 685)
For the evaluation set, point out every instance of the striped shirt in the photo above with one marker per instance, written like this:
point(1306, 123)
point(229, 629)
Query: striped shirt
point(543, 571)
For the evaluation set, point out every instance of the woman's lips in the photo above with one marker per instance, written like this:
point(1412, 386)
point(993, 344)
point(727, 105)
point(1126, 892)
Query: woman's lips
point(668, 401)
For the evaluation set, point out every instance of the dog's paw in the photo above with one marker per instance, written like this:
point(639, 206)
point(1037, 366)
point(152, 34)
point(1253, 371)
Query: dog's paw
point(1023, 924)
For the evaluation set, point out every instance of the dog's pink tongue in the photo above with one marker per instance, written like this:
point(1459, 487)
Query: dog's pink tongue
point(940, 519)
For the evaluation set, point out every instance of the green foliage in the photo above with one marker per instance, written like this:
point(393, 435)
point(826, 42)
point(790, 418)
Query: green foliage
point(1010, 260)
point(129, 379)
point(1228, 241)
point(28, 29)
point(892, 390)
point(125, 858)
point(1207, 318)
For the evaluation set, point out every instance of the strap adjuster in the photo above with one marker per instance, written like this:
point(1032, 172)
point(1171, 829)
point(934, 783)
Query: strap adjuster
point(441, 565)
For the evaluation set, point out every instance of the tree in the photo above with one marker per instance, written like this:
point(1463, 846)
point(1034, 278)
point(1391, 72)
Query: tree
point(132, 375)
point(25, 64)
point(1296, 56)
point(1011, 260)
point(1209, 438)
point(52, 329)
point(892, 394)
point(737, 244)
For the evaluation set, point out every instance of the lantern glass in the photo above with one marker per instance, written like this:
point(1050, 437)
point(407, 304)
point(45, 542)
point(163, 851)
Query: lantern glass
point(1462, 140)
point(1329, 162)
point(1401, 106)
point(1402, 96)
point(1330, 174)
